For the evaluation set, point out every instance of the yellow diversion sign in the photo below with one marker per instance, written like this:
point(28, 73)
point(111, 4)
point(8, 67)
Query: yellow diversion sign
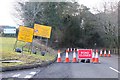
point(41, 30)
point(25, 34)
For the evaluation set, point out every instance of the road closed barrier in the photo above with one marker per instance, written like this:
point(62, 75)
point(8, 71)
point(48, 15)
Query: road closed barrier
point(81, 55)
point(84, 54)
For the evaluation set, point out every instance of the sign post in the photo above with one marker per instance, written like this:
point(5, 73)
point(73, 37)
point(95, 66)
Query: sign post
point(25, 34)
point(42, 31)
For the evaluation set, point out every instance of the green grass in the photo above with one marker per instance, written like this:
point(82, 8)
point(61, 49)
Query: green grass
point(7, 44)
point(7, 53)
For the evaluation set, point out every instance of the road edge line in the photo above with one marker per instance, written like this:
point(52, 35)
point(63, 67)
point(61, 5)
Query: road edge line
point(114, 70)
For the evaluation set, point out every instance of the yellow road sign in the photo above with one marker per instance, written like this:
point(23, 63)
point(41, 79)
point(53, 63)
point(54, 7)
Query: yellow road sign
point(25, 34)
point(42, 30)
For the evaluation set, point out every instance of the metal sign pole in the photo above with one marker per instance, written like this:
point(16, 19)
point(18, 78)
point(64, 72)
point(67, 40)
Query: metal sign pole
point(46, 42)
point(15, 45)
point(31, 47)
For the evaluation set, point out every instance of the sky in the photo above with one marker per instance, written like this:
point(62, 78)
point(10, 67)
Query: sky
point(5, 13)
point(7, 19)
point(95, 3)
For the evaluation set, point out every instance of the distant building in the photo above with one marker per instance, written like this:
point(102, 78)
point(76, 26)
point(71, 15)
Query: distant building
point(7, 30)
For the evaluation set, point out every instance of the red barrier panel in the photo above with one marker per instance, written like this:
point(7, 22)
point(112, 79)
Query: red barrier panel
point(84, 53)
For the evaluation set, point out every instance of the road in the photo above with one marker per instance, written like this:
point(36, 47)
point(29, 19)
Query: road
point(108, 68)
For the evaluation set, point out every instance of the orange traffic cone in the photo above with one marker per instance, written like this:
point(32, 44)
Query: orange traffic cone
point(77, 50)
point(101, 53)
point(109, 55)
point(68, 50)
point(105, 53)
point(71, 50)
point(96, 57)
point(74, 57)
point(59, 58)
point(67, 58)
point(93, 56)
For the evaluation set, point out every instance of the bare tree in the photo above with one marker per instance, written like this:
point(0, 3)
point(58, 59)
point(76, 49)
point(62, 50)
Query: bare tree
point(25, 12)
point(109, 20)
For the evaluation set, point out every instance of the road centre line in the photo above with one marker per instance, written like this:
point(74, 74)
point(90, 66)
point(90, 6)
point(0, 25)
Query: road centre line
point(16, 75)
point(114, 69)
point(28, 76)
point(33, 73)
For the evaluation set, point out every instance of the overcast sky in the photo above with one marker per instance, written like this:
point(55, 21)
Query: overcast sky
point(5, 9)
point(95, 3)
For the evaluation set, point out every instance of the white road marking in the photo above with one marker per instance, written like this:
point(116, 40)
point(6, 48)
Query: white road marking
point(16, 75)
point(28, 76)
point(114, 69)
point(33, 73)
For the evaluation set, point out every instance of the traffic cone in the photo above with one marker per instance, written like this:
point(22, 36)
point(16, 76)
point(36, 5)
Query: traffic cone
point(71, 50)
point(105, 53)
point(59, 58)
point(67, 58)
point(109, 55)
point(93, 56)
point(101, 53)
point(96, 57)
point(74, 57)
point(68, 50)
point(77, 50)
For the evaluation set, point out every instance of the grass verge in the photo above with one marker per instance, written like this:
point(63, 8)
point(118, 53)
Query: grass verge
point(7, 53)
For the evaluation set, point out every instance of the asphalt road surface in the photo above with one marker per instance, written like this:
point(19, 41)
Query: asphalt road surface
point(108, 68)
